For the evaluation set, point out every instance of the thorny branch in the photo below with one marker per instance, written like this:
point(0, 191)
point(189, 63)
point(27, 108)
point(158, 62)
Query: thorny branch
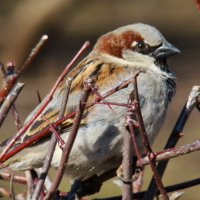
point(48, 99)
point(174, 137)
point(11, 79)
point(17, 179)
point(161, 155)
point(12, 187)
point(127, 167)
point(147, 145)
point(170, 188)
point(127, 162)
point(16, 117)
point(52, 145)
point(70, 141)
point(10, 99)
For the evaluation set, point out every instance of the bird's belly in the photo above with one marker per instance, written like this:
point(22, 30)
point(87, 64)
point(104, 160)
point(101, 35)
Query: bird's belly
point(99, 143)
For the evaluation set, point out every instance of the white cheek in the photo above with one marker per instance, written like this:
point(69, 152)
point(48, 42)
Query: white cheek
point(132, 56)
point(134, 60)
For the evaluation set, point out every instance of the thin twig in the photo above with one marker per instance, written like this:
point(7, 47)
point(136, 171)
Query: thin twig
point(174, 137)
point(52, 145)
point(9, 101)
point(119, 87)
point(16, 117)
point(172, 153)
point(170, 188)
point(70, 141)
point(48, 99)
point(32, 55)
point(127, 162)
point(28, 174)
point(127, 167)
point(18, 179)
point(39, 97)
point(30, 183)
point(147, 144)
point(12, 187)
point(98, 96)
point(110, 103)
point(55, 132)
point(12, 79)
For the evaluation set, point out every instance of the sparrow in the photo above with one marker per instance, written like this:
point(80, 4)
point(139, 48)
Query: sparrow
point(98, 146)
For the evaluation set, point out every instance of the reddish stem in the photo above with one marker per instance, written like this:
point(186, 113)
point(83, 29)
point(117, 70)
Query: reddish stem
point(59, 139)
point(175, 135)
point(48, 99)
point(12, 79)
point(147, 144)
point(70, 141)
point(17, 178)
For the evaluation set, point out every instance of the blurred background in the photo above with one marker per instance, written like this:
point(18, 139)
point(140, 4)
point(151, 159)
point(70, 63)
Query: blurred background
point(69, 24)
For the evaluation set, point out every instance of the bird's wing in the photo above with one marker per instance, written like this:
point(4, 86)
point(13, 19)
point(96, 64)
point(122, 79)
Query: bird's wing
point(104, 76)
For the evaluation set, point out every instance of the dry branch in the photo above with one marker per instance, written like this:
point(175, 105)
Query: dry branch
point(48, 99)
point(53, 143)
point(174, 137)
point(147, 145)
point(10, 80)
point(70, 140)
point(10, 99)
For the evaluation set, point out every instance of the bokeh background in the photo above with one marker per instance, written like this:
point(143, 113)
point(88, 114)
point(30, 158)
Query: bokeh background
point(68, 24)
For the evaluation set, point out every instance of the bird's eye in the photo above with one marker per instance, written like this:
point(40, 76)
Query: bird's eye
point(141, 45)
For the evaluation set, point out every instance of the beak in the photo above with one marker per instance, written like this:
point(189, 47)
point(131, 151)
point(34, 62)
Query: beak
point(166, 50)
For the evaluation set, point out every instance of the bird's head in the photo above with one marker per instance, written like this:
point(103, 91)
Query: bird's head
point(138, 43)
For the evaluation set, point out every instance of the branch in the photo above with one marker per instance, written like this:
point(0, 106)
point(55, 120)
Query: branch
point(170, 188)
point(44, 104)
point(52, 145)
point(70, 141)
point(18, 179)
point(16, 117)
point(149, 151)
point(9, 101)
point(12, 79)
point(127, 162)
point(12, 187)
point(127, 167)
point(32, 55)
point(175, 135)
point(172, 153)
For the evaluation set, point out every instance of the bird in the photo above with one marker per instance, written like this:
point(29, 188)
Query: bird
point(98, 146)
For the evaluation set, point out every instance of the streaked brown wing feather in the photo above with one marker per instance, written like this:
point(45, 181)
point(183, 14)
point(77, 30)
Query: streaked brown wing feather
point(101, 72)
point(51, 113)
